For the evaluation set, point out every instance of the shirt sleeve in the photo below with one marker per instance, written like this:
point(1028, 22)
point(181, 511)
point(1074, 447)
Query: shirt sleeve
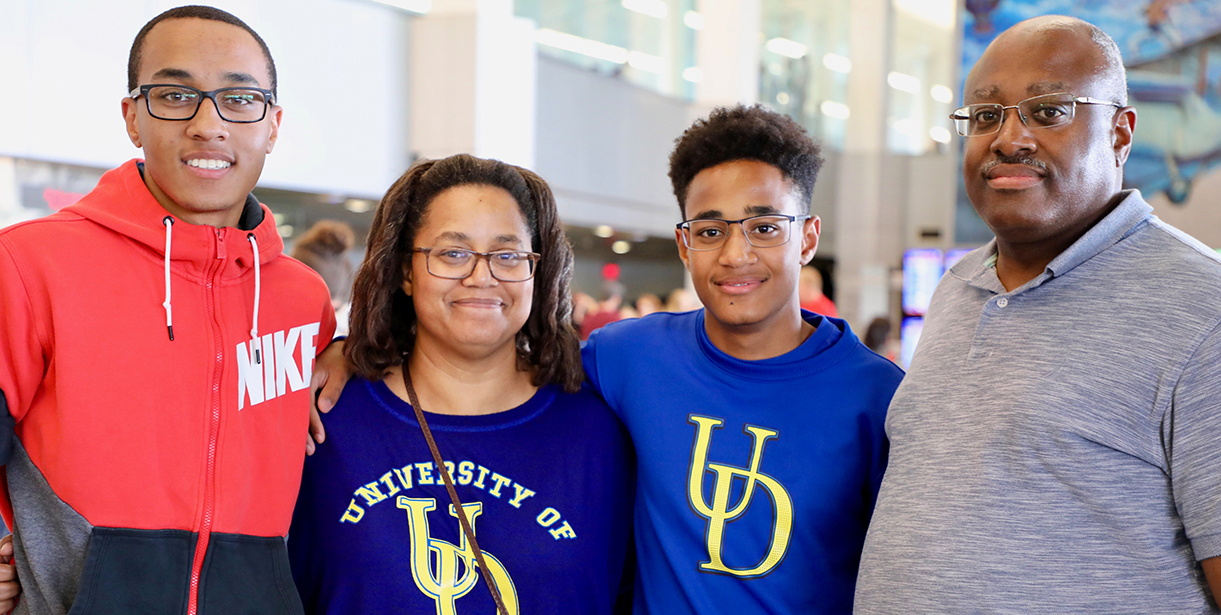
point(1194, 458)
point(23, 353)
point(23, 359)
point(879, 444)
point(589, 360)
point(329, 324)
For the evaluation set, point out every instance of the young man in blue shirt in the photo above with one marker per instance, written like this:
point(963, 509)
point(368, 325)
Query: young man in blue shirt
point(758, 427)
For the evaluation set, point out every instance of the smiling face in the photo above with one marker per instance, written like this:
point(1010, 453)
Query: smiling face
point(746, 289)
point(201, 169)
point(1044, 185)
point(478, 315)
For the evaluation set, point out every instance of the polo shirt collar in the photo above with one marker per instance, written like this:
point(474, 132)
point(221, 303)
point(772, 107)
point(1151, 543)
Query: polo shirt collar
point(1131, 212)
point(979, 267)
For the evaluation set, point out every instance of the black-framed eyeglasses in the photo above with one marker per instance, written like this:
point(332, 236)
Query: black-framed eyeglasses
point(178, 103)
point(1046, 111)
point(766, 231)
point(459, 263)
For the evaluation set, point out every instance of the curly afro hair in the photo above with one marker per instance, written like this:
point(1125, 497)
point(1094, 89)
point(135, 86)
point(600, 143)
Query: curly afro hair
point(746, 133)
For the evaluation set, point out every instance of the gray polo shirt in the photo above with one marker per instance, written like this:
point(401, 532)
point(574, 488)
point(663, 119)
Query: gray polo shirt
point(1057, 448)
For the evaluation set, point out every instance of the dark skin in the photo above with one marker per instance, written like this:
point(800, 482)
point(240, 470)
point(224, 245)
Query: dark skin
point(10, 589)
point(1212, 571)
point(1053, 184)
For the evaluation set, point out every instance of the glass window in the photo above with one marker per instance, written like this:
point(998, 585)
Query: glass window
point(650, 43)
point(805, 64)
point(920, 77)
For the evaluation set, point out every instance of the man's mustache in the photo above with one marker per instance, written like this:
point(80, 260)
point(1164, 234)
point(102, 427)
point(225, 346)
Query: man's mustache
point(1017, 160)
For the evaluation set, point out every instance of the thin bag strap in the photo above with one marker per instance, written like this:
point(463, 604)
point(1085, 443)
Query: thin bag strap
point(453, 494)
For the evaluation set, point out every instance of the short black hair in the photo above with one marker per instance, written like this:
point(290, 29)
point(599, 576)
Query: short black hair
point(192, 12)
point(746, 133)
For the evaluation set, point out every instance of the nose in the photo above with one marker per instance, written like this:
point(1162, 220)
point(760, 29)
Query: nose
point(737, 250)
point(481, 275)
point(207, 123)
point(1014, 137)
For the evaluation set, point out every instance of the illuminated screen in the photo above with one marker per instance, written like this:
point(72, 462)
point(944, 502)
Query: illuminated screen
point(953, 256)
point(922, 270)
point(909, 336)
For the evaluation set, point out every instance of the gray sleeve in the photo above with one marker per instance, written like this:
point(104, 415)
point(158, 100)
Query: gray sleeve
point(1193, 427)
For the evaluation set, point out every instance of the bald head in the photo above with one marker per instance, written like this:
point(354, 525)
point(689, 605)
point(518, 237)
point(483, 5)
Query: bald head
point(1040, 186)
point(1094, 53)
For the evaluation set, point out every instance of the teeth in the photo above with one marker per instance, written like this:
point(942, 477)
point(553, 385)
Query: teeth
point(207, 163)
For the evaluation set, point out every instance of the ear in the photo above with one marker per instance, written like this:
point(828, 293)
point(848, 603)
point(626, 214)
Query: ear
point(275, 116)
point(810, 229)
point(407, 277)
point(130, 107)
point(682, 248)
point(1124, 125)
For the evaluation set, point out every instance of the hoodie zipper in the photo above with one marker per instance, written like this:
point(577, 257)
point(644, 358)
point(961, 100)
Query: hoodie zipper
point(205, 529)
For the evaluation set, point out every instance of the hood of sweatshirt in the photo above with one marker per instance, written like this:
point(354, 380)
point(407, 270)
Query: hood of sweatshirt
point(122, 203)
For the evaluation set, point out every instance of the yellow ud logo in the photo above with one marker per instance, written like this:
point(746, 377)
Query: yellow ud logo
point(719, 513)
point(446, 572)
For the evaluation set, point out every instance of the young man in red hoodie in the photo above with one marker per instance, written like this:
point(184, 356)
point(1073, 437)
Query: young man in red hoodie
point(158, 352)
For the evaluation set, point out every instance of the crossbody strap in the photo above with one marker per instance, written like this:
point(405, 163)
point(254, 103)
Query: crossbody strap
point(453, 494)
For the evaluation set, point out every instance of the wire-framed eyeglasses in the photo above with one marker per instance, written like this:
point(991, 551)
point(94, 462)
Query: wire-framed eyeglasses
point(1046, 111)
point(178, 103)
point(459, 263)
point(766, 231)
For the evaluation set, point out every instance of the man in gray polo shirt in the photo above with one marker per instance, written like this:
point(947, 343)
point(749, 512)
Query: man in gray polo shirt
point(1056, 446)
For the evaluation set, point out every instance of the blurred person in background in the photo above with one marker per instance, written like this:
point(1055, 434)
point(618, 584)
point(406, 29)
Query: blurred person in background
point(812, 297)
point(467, 373)
point(647, 303)
point(877, 337)
point(324, 248)
point(681, 300)
point(753, 495)
point(582, 304)
point(158, 348)
point(608, 310)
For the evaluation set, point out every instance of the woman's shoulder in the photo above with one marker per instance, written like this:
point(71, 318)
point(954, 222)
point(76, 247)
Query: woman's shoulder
point(585, 399)
point(362, 403)
point(583, 411)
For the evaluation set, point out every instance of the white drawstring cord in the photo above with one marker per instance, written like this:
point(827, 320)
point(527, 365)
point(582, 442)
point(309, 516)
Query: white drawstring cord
point(169, 311)
point(254, 324)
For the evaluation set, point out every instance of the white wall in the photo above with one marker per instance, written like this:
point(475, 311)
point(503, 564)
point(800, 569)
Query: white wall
point(63, 64)
point(604, 146)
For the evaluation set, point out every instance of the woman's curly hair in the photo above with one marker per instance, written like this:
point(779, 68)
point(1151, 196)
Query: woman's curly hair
point(383, 317)
point(746, 133)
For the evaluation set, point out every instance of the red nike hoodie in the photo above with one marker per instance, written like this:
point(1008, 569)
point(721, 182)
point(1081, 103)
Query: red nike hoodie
point(156, 375)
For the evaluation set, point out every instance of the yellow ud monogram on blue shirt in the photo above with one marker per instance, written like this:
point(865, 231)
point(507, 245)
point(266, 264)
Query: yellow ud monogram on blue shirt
point(719, 513)
point(441, 581)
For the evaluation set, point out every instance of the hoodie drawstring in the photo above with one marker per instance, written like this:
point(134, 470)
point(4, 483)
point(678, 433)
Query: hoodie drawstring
point(254, 324)
point(169, 311)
